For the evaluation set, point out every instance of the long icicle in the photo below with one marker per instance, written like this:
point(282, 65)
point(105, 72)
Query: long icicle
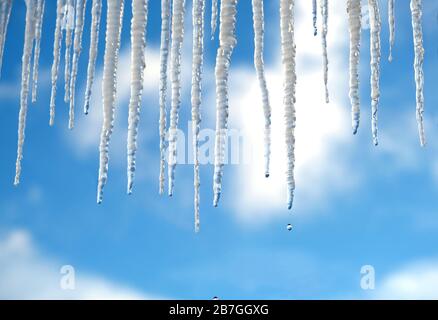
point(258, 17)
point(375, 27)
point(164, 57)
point(77, 48)
point(214, 14)
point(324, 15)
point(288, 52)
point(109, 86)
point(416, 10)
point(315, 17)
point(5, 13)
point(36, 57)
point(354, 26)
point(96, 12)
point(391, 20)
point(227, 42)
point(29, 37)
point(138, 46)
point(197, 64)
point(175, 76)
point(56, 56)
point(69, 26)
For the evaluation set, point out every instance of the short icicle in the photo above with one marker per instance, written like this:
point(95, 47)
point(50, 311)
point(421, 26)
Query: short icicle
point(258, 17)
point(96, 12)
point(288, 52)
point(5, 13)
point(109, 86)
point(315, 17)
point(416, 10)
point(324, 15)
point(175, 77)
point(354, 26)
point(227, 42)
point(138, 46)
point(37, 50)
point(164, 57)
point(69, 26)
point(29, 36)
point(197, 64)
point(214, 14)
point(56, 56)
point(375, 27)
point(77, 48)
point(391, 20)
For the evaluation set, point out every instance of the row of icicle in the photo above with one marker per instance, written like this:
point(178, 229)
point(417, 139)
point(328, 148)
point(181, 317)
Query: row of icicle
point(70, 17)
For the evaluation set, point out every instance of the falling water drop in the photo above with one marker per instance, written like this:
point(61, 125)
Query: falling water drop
point(257, 8)
point(197, 63)
point(288, 52)
point(375, 26)
point(77, 48)
point(289, 227)
point(164, 57)
point(227, 42)
point(416, 10)
point(109, 86)
point(29, 37)
point(96, 12)
point(175, 75)
point(138, 46)
point(354, 26)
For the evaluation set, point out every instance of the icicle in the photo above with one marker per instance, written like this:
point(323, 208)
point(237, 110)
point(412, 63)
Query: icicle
point(288, 52)
point(5, 13)
point(227, 42)
point(29, 36)
point(164, 55)
point(257, 8)
point(77, 48)
point(69, 26)
point(324, 14)
point(94, 41)
point(416, 10)
point(198, 53)
point(391, 20)
point(175, 74)
point(375, 26)
point(36, 57)
point(56, 56)
point(109, 86)
point(354, 26)
point(214, 13)
point(315, 17)
point(138, 46)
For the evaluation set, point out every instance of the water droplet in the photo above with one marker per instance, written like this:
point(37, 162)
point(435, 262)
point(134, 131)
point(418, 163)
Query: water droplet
point(215, 298)
point(289, 227)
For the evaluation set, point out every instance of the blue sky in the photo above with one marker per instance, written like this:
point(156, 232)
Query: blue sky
point(355, 204)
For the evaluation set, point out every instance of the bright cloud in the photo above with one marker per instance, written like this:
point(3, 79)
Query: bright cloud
point(321, 128)
point(26, 274)
point(416, 281)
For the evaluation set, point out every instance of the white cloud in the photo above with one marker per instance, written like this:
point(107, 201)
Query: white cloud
point(416, 281)
point(321, 129)
point(26, 274)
